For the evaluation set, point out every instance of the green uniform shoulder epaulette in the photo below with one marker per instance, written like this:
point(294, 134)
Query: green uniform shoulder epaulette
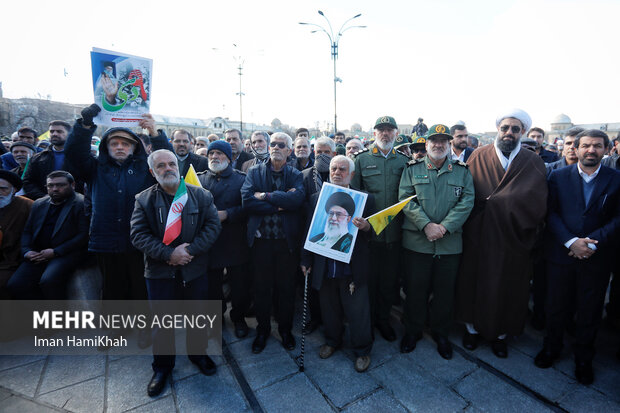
point(415, 161)
point(461, 163)
point(360, 152)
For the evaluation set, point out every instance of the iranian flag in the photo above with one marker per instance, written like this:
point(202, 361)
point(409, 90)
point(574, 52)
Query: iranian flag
point(173, 223)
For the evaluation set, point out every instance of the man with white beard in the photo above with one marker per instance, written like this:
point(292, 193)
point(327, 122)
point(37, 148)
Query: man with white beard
point(260, 149)
point(432, 239)
point(230, 251)
point(186, 258)
point(378, 170)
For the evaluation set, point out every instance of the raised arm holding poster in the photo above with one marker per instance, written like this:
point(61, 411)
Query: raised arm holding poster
point(332, 234)
point(122, 87)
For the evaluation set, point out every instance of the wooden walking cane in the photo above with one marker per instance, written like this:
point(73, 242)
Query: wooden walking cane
point(303, 321)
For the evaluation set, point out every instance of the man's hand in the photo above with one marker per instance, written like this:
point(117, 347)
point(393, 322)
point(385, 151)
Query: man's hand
point(259, 196)
point(147, 122)
point(291, 190)
point(361, 223)
point(47, 254)
point(110, 88)
point(222, 215)
point(32, 255)
point(580, 250)
point(305, 270)
point(434, 231)
point(180, 256)
point(88, 114)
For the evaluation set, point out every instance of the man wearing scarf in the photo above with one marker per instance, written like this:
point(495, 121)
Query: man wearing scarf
point(260, 150)
point(509, 208)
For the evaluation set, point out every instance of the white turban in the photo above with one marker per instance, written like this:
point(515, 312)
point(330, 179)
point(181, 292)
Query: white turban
point(519, 114)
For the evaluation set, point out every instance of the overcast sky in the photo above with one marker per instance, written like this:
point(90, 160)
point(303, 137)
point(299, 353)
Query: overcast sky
point(443, 60)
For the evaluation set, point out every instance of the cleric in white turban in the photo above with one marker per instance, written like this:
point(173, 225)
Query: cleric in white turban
point(519, 114)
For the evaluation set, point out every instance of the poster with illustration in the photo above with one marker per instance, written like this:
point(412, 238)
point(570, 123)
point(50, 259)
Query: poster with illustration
point(332, 233)
point(122, 87)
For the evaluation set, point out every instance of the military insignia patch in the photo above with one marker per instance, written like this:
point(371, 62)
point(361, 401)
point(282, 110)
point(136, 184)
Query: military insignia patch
point(458, 191)
point(440, 129)
point(385, 119)
point(449, 167)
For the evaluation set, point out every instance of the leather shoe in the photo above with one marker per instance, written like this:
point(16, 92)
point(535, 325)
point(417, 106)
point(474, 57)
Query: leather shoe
point(205, 365)
point(444, 347)
point(259, 343)
point(310, 327)
point(387, 332)
point(241, 329)
point(362, 363)
point(500, 348)
point(470, 341)
point(157, 383)
point(545, 359)
point(288, 341)
point(407, 344)
point(326, 351)
point(584, 373)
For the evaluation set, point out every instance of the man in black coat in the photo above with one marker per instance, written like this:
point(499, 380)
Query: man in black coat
point(583, 230)
point(343, 288)
point(230, 251)
point(239, 156)
point(182, 145)
point(53, 242)
point(459, 151)
point(175, 269)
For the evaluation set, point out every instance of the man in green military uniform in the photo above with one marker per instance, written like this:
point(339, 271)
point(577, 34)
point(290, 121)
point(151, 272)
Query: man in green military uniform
point(402, 145)
point(377, 171)
point(432, 238)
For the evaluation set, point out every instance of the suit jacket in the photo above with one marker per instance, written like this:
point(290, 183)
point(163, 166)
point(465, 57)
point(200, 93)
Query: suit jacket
point(468, 152)
point(570, 217)
point(70, 232)
point(200, 163)
point(243, 157)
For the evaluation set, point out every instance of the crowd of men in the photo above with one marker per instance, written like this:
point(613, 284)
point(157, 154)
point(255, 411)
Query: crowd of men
point(487, 227)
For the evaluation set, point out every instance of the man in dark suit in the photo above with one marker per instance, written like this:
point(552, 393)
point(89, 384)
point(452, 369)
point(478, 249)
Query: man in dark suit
point(54, 241)
point(583, 227)
point(182, 145)
point(235, 138)
point(343, 288)
point(459, 150)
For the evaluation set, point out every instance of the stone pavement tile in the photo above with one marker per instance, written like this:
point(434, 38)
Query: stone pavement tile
point(265, 368)
point(62, 371)
point(23, 379)
point(164, 405)
point(4, 394)
point(296, 393)
point(337, 378)
point(526, 344)
point(8, 362)
point(489, 394)
point(607, 380)
point(218, 393)
point(547, 382)
point(183, 367)
point(86, 396)
point(587, 400)
point(379, 401)
point(16, 404)
point(448, 371)
point(415, 389)
point(127, 381)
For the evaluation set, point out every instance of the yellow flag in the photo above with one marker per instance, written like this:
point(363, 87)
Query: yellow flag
point(45, 136)
point(191, 177)
point(382, 219)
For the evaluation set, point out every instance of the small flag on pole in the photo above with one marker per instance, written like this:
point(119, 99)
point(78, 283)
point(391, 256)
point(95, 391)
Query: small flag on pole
point(191, 177)
point(173, 223)
point(382, 219)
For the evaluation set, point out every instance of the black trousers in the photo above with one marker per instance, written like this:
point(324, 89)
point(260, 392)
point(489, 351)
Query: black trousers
point(46, 280)
point(274, 271)
point(164, 347)
point(240, 282)
point(123, 275)
point(337, 302)
point(582, 284)
point(384, 267)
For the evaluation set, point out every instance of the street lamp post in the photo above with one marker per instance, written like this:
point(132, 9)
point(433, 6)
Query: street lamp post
point(333, 41)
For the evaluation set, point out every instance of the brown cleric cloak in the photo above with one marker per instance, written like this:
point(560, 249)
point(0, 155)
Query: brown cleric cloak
point(493, 284)
point(13, 218)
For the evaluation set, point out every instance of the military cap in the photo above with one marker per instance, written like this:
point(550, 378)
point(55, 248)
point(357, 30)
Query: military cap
point(401, 140)
point(438, 131)
point(341, 199)
point(386, 121)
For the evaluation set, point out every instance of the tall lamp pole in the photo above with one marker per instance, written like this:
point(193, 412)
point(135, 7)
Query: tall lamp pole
point(240, 60)
point(333, 41)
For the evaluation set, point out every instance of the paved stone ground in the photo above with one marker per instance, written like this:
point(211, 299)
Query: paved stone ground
point(271, 382)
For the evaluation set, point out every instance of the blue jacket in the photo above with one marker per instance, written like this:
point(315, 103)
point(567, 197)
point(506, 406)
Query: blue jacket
point(287, 204)
point(231, 247)
point(569, 216)
point(113, 188)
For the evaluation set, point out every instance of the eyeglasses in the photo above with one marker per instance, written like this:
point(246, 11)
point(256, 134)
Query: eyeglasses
point(338, 215)
point(280, 145)
point(513, 128)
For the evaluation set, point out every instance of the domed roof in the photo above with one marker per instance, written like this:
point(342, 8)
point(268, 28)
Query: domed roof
point(356, 127)
point(561, 118)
